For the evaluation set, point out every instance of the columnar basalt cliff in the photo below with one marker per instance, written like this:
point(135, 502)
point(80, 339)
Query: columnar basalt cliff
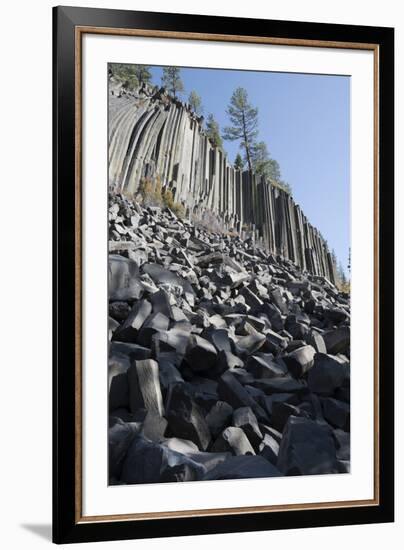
point(152, 134)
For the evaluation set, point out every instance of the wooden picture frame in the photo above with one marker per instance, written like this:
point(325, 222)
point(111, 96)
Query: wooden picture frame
point(70, 24)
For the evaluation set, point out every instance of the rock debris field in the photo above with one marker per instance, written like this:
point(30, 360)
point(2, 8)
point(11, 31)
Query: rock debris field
point(225, 362)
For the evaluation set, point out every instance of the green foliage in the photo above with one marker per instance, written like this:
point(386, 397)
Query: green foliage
point(125, 74)
point(238, 162)
point(285, 186)
point(213, 131)
point(195, 102)
point(142, 73)
point(266, 166)
point(244, 127)
point(262, 163)
point(130, 76)
point(171, 80)
point(244, 122)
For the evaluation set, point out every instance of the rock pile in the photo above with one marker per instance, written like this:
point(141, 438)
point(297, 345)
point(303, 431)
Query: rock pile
point(225, 361)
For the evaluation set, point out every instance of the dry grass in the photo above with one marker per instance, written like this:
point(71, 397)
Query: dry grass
point(152, 193)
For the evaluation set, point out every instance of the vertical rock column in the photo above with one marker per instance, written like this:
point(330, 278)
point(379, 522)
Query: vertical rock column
point(158, 136)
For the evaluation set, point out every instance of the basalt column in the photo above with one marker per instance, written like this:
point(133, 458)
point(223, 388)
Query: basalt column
point(153, 135)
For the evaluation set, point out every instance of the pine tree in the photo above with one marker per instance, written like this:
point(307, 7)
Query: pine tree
point(125, 74)
point(244, 119)
point(263, 164)
point(213, 131)
point(266, 166)
point(171, 80)
point(142, 73)
point(285, 186)
point(238, 162)
point(195, 102)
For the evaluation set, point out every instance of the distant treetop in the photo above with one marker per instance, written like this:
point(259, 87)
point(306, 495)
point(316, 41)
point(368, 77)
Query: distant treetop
point(238, 162)
point(213, 131)
point(171, 80)
point(195, 102)
point(244, 123)
point(129, 75)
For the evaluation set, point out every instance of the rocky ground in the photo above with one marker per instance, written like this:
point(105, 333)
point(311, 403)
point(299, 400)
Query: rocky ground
point(224, 361)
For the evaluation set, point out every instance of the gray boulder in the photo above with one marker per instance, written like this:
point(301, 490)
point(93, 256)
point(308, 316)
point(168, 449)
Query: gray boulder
point(307, 448)
point(123, 279)
point(245, 419)
point(154, 426)
point(233, 440)
point(338, 340)
point(185, 418)
point(300, 361)
point(129, 330)
point(269, 449)
point(243, 467)
point(326, 376)
point(144, 387)
point(120, 436)
point(219, 417)
point(148, 462)
point(337, 413)
point(200, 355)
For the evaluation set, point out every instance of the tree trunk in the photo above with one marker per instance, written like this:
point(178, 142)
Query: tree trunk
point(246, 145)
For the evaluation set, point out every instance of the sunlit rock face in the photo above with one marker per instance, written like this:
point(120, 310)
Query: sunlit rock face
point(153, 135)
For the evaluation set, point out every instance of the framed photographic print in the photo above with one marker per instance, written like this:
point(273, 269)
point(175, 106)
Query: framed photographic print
point(223, 274)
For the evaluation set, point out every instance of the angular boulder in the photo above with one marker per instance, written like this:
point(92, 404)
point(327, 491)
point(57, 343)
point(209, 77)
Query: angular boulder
point(154, 426)
point(281, 413)
point(120, 436)
point(233, 440)
point(144, 387)
point(156, 322)
point(245, 419)
point(129, 330)
point(231, 391)
point(300, 361)
point(123, 279)
point(219, 417)
point(338, 340)
point(269, 449)
point(337, 413)
point(200, 355)
point(260, 367)
point(307, 448)
point(243, 467)
point(148, 462)
point(185, 417)
point(326, 376)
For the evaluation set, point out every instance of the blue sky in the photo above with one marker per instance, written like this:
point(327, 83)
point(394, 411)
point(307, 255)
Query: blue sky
point(304, 120)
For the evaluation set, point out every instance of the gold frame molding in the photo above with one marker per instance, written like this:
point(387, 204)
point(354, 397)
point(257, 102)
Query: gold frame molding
point(79, 32)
